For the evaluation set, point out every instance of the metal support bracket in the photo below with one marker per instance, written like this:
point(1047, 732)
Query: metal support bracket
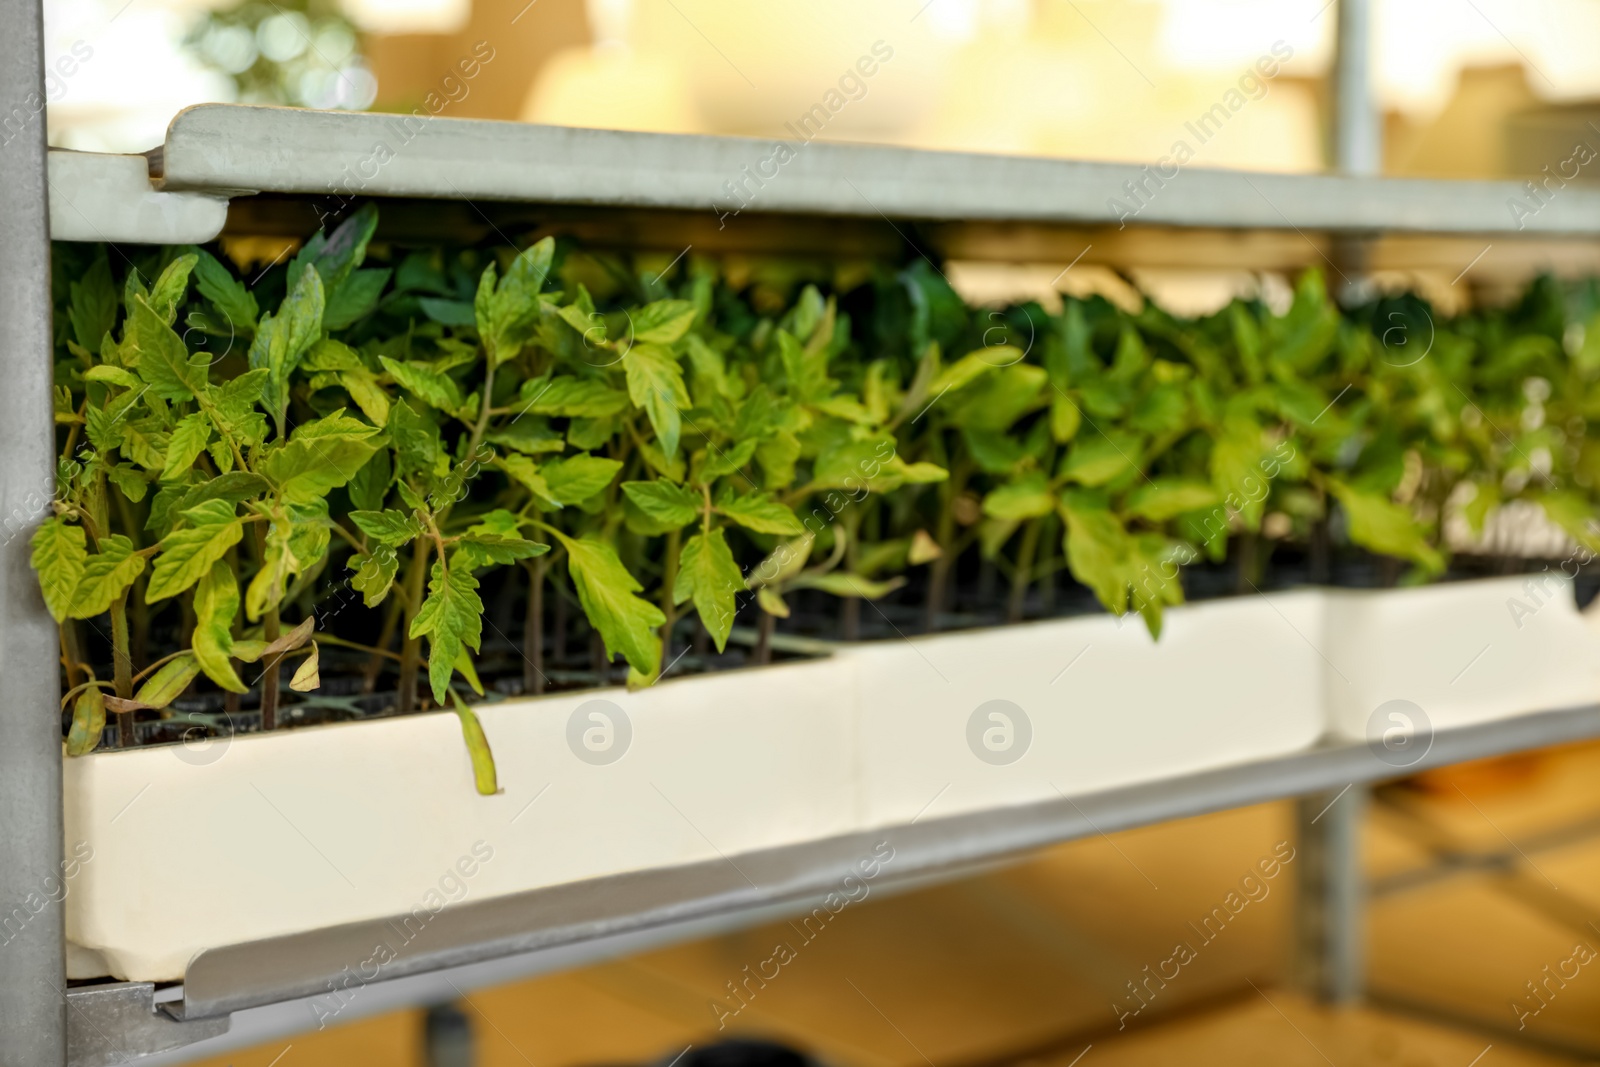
point(112, 1024)
point(96, 197)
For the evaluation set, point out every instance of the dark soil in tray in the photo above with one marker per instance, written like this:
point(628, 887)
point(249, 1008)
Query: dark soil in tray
point(978, 597)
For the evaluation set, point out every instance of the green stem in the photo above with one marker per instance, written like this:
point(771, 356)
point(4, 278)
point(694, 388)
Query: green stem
point(411, 652)
point(533, 679)
point(269, 681)
point(122, 667)
point(669, 580)
point(1022, 576)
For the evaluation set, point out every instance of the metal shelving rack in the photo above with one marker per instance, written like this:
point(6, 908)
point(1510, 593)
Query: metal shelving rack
point(257, 169)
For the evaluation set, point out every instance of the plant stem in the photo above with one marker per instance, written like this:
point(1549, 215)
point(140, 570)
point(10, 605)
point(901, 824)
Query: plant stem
point(411, 652)
point(939, 572)
point(269, 681)
point(391, 618)
point(1047, 573)
point(1245, 574)
point(1022, 577)
point(558, 630)
point(850, 607)
point(122, 667)
point(69, 650)
point(764, 628)
point(669, 579)
point(533, 680)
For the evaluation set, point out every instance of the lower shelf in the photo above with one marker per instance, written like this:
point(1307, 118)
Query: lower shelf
point(283, 865)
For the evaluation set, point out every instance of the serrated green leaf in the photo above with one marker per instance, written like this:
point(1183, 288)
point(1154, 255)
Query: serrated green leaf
point(655, 385)
point(438, 391)
point(1383, 526)
point(387, 527)
point(162, 360)
point(626, 623)
point(59, 556)
point(761, 513)
point(216, 605)
point(374, 574)
point(526, 472)
point(105, 372)
point(226, 293)
point(106, 574)
point(573, 397)
point(1098, 458)
point(1167, 498)
point(307, 468)
point(1029, 497)
point(577, 478)
point(451, 617)
point(187, 554)
point(355, 298)
point(188, 440)
point(707, 573)
point(662, 322)
point(673, 506)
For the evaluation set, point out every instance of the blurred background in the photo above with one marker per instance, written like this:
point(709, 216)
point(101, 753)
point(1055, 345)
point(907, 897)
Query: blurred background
point(1033, 964)
point(1468, 87)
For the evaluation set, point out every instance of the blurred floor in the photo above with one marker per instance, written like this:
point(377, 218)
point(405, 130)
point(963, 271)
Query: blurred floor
point(1035, 963)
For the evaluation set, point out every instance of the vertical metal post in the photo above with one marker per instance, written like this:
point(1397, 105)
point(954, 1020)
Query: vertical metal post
point(1330, 928)
point(33, 1011)
point(1356, 133)
point(1357, 119)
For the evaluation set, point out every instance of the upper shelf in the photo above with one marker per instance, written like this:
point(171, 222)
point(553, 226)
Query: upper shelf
point(223, 148)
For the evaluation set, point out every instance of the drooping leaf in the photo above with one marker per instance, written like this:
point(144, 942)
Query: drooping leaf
point(707, 573)
point(216, 605)
point(626, 623)
point(88, 722)
point(307, 676)
point(450, 617)
point(483, 769)
point(655, 385)
point(169, 681)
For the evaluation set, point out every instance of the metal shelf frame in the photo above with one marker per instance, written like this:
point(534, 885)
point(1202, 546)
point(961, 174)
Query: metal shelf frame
point(265, 158)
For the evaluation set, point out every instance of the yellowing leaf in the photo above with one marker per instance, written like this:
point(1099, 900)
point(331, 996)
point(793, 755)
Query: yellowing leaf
point(483, 771)
point(216, 604)
point(306, 676)
point(88, 722)
point(58, 556)
point(169, 681)
point(105, 575)
point(188, 553)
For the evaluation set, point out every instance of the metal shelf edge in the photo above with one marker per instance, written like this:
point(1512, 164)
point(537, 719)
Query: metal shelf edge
point(341, 155)
point(327, 962)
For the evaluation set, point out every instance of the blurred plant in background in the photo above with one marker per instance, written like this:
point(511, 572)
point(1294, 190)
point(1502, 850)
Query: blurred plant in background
point(302, 53)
